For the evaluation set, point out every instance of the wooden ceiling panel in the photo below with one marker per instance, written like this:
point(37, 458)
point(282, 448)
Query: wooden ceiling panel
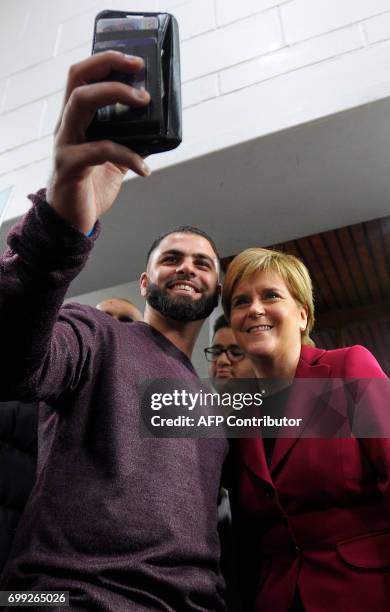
point(342, 268)
point(322, 286)
point(366, 261)
point(377, 240)
point(385, 230)
point(351, 259)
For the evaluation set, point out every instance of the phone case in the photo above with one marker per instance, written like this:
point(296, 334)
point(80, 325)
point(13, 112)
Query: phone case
point(154, 37)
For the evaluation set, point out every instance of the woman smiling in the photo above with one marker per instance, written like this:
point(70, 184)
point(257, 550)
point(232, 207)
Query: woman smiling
point(312, 513)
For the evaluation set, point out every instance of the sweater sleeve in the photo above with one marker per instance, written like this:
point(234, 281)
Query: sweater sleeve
point(41, 350)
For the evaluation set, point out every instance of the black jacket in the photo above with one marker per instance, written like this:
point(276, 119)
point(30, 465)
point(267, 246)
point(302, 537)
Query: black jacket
point(18, 455)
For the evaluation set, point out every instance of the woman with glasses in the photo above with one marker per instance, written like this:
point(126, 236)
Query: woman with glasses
point(226, 359)
point(312, 511)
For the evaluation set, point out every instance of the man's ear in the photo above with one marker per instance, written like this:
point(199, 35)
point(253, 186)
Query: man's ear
point(143, 283)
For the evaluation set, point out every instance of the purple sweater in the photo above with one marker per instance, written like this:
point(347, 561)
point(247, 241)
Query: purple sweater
point(121, 522)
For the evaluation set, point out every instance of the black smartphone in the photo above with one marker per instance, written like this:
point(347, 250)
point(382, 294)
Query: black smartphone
point(154, 37)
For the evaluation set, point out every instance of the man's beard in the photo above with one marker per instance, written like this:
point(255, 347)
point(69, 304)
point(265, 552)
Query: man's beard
point(180, 308)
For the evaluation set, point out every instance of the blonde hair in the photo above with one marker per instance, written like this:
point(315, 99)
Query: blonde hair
point(291, 269)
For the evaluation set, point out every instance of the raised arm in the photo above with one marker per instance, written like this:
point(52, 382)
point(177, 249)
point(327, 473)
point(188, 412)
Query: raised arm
point(49, 247)
point(87, 176)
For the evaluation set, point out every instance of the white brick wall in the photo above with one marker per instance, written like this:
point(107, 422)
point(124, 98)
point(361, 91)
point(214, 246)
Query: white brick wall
point(378, 28)
point(26, 179)
point(230, 45)
point(42, 80)
point(52, 112)
point(307, 18)
point(291, 58)
point(200, 90)
point(232, 10)
point(170, 5)
point(41, 48)
point(26, 154)
point(195, 18)
point(3, 85)
point(75, 32)
point(249, 67)
point(20, 126)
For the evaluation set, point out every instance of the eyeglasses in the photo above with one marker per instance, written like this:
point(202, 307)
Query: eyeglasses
point(233, 353)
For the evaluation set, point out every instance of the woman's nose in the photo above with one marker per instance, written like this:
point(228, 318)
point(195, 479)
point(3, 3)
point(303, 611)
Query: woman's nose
point(256, 309)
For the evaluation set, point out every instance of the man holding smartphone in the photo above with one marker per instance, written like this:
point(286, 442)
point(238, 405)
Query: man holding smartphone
point(121, 523)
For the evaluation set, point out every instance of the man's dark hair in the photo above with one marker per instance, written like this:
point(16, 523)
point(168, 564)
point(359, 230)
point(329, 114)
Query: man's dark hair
point(183, 229)
point(219, 323)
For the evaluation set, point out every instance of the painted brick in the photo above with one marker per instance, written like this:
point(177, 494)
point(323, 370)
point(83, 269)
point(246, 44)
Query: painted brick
point(200, 90)
point(47, 13)
point(26, 155)
point(14, 17)
point(231, 10)
point(227, 46)
point(76, 31)
point(20, 126)
point(26, 180)
point(3, 85)
point(195, 18)
point(43, 79)
point(290, 58)
point(126, 5)
point(378, 28)
point(304, 18)
point(313, 92)
point(35, 49)
point(51, 113)
point(169, 5)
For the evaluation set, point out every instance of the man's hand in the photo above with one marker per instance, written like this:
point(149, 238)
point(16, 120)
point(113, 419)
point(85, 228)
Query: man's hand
point(87, 176)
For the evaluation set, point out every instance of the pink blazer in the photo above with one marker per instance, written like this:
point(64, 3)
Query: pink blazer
point(319, 519)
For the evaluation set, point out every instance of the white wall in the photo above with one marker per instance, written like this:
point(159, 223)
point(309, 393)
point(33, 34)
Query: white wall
point(249, 68)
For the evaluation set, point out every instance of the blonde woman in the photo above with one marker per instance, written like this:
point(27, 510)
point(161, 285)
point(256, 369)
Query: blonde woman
point(313, 515)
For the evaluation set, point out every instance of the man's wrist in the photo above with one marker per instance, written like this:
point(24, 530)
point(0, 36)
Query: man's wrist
point(63, 231)
point(91, 232)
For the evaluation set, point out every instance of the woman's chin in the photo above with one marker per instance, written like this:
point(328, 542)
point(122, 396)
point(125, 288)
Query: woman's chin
point(259, 349)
